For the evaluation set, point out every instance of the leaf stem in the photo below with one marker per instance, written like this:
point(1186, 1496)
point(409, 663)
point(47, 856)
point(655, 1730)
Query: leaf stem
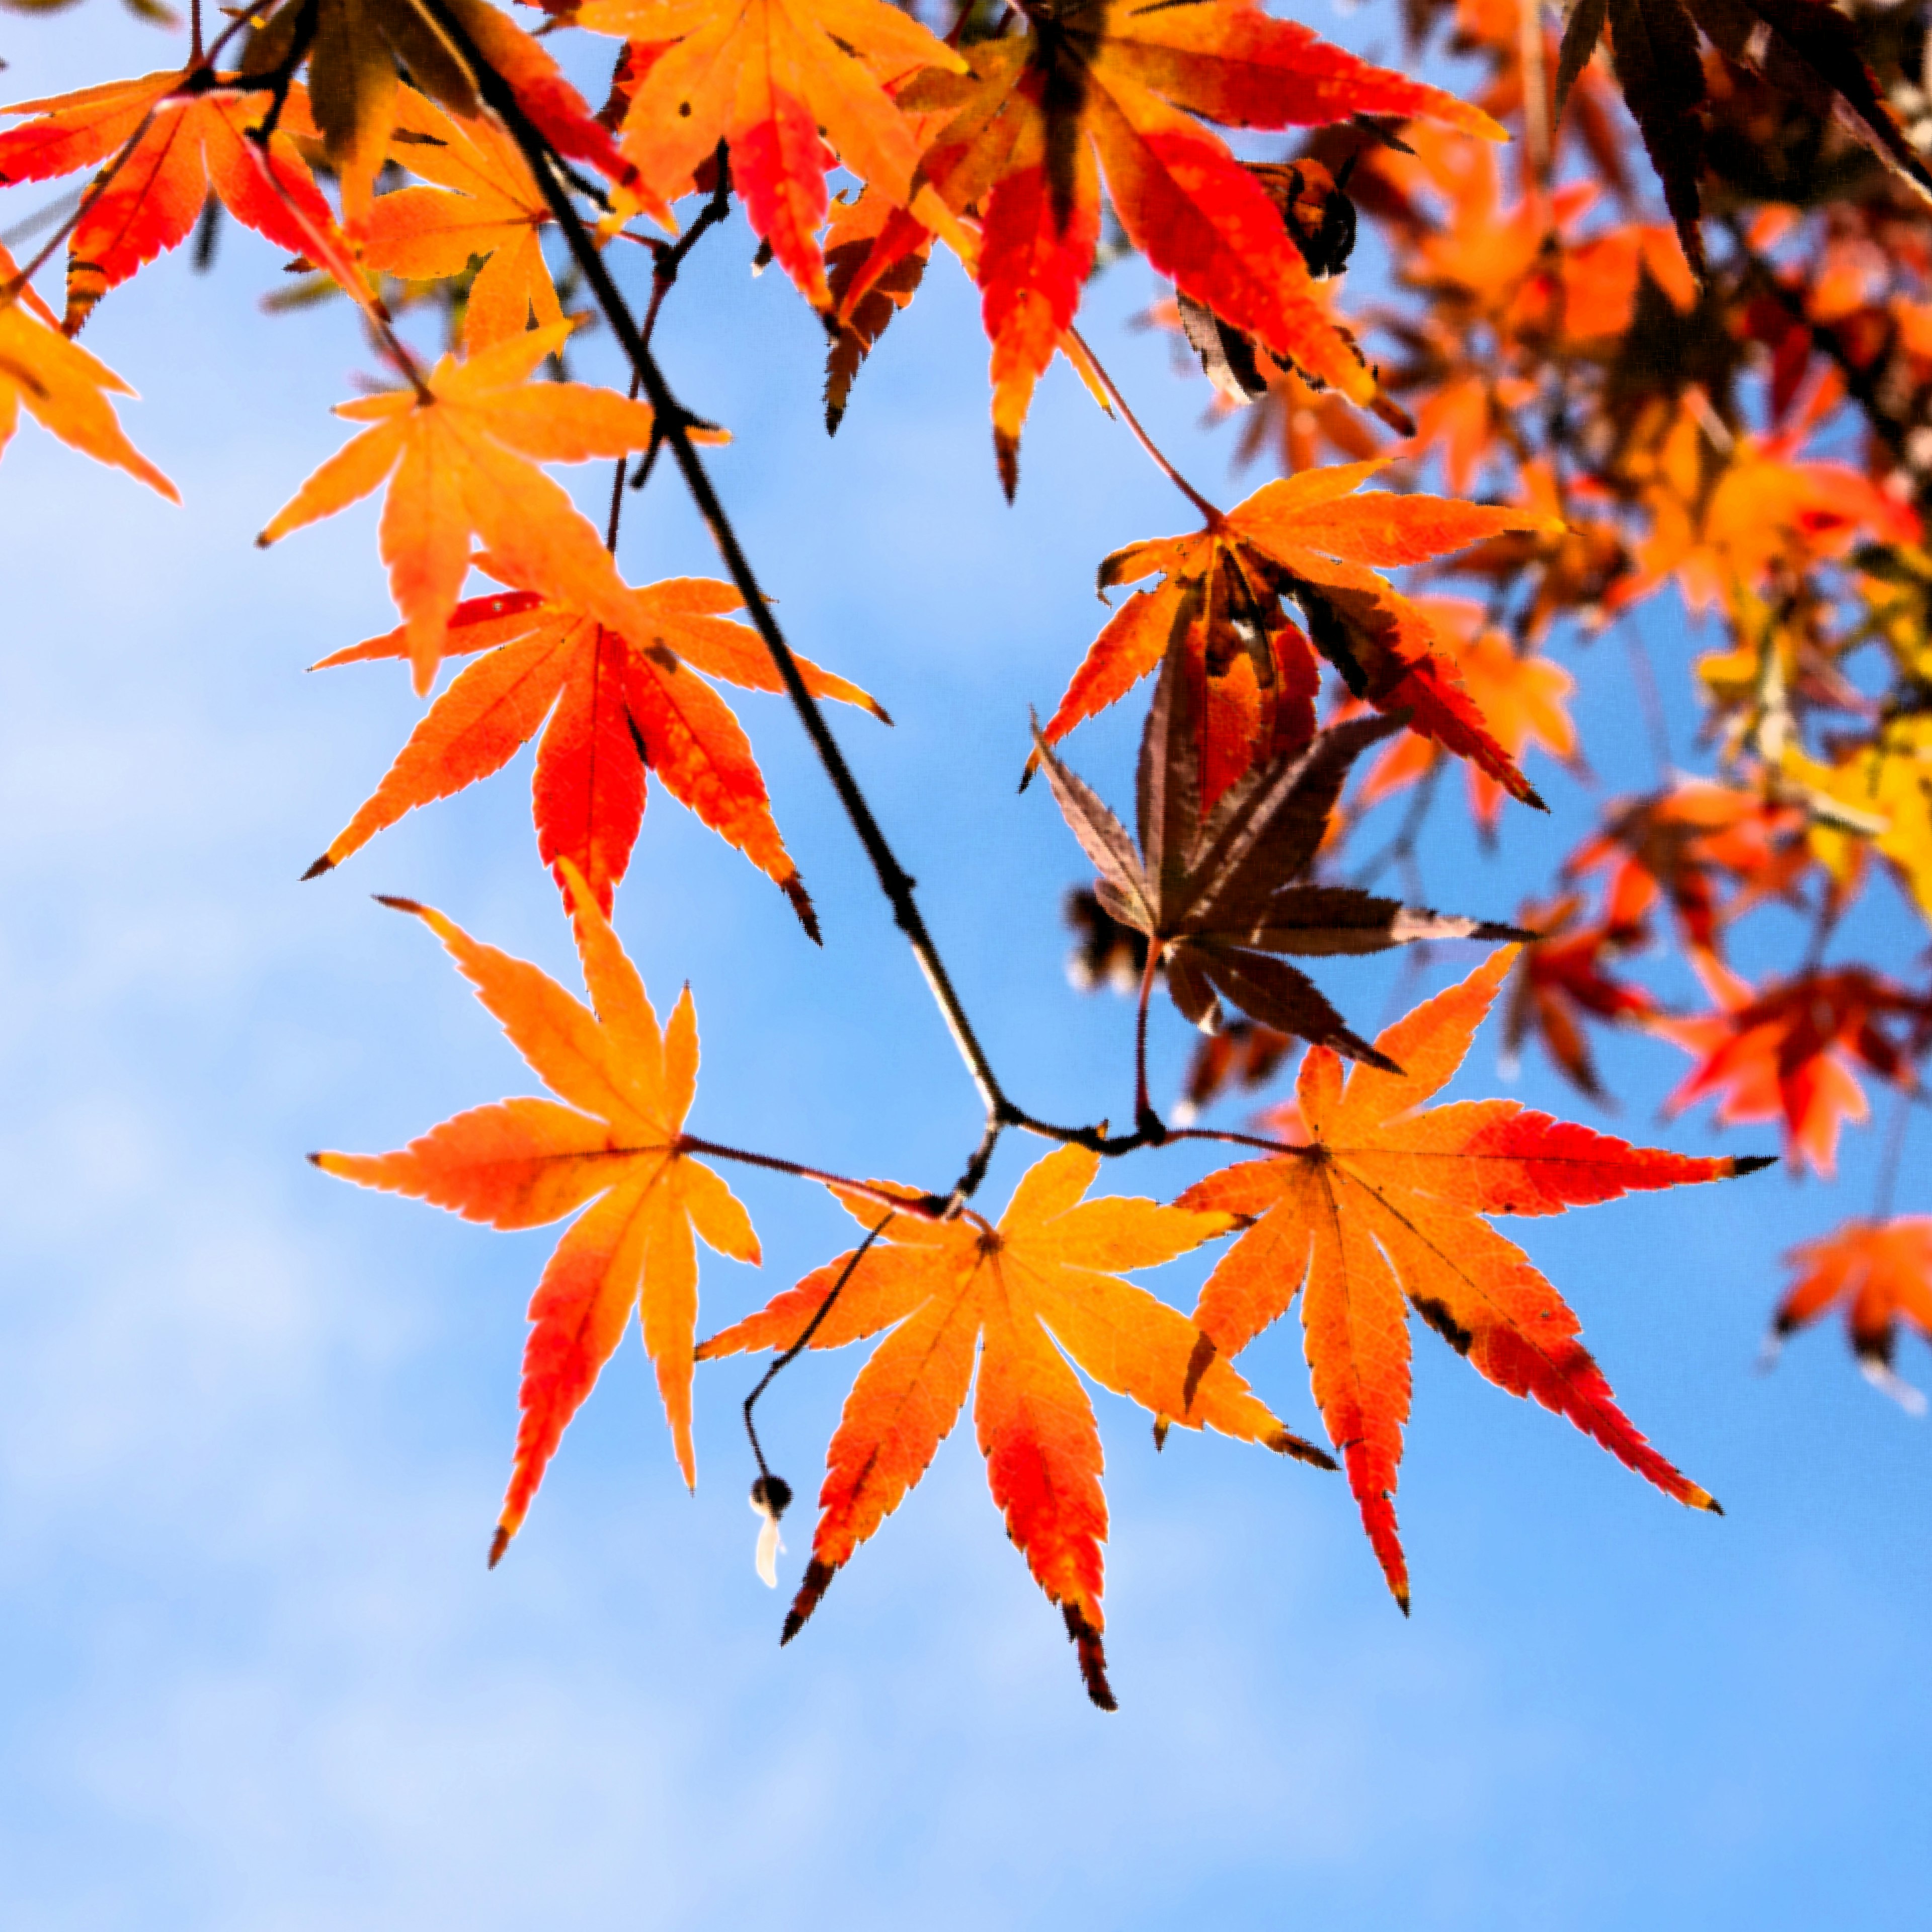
point(1146, 1121)
point(1208, 511)
point(1889, 1160)
point(804, 1341)
point(928, 1208)
point(1235, 1140)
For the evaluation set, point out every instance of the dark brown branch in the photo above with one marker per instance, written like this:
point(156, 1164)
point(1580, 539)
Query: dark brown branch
point(894, 880)
point(927, 1207)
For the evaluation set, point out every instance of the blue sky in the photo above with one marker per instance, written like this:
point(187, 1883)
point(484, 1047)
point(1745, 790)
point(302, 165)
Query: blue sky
point(254, 1424)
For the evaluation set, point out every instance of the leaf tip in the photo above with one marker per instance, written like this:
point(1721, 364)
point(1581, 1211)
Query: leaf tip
point(1285, 1442)
point(1161, 1426)
point(1743, 1164)
point(1093, 1655)
point(396, 904)
point(324, 864)
point(499, 1544)
point(1199, 1362)
point(793, 889)
point(818, 1575)
point(1006, 453)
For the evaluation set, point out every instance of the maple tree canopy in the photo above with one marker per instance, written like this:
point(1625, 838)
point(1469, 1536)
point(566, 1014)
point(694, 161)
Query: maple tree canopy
point(1628, 316)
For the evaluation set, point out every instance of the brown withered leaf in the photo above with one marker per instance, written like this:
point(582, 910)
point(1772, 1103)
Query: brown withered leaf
point(1222, 895)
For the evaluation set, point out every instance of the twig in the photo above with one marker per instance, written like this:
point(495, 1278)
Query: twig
point(1888, 1161)
point(929, 1207)
point(617, 487)
point(1235, 1140)
point(1146, 1121)
point(804, 1341)
point(1401, 849)
point(1146, 441)
point(1656, 727)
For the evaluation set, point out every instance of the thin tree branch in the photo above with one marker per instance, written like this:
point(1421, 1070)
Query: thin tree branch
point(1146, 1121)
point(927, 1207)
point(796, 1349)
point(1153, 449)
point(894, 880)
point(1895, 1150)
point(1236, 1140)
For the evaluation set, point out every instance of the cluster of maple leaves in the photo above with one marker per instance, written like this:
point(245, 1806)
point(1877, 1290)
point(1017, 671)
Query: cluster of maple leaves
point(1731, 397)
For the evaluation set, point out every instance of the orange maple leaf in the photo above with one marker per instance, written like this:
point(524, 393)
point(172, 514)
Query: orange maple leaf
point(1522, 699)
point(1683, 844)
point(1561, 978)
point(356, 48)
point(616, 1142)
point(64, 388)
point(1045, 1280)
point(1113, 87)
point(1306, 537)
point(457, 456)
point(197, 143)
point(1384, 1207)
point(611, 701)
point(484, 202)
point(776, 79)
point(1882, 1273)
point(1790, 1052)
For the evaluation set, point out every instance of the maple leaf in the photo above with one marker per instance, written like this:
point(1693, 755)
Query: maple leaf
point(1881, 1272)
point(767, 77)
point(1882, 788)
point(609, 1143)
point(611, 702)
point(1306, 538)
point(64, 389)
point(875, 258)
point(1561, 980)
point(1321, 222)
point(1765, 513)
point(1221, 896)
point(1521, 698)
point(1682, 845)
point(355, 48)
point(1113, 87)
point(1385, 1205)
point(197, 143)
point(1804, 48)
point(457, 455)
point(485, 202)
point(1042, 1285)
point(1789, 1051)
point(1241, 1055)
